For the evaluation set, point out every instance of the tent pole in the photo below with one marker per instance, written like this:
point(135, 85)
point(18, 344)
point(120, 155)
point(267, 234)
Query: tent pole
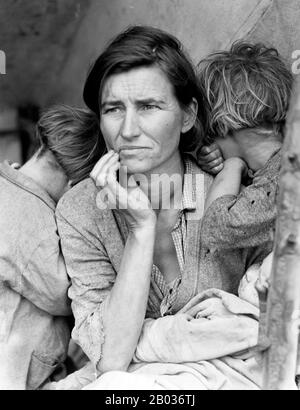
point(281, 327)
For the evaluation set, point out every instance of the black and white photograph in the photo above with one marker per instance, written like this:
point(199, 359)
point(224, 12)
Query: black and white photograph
point(149, 197)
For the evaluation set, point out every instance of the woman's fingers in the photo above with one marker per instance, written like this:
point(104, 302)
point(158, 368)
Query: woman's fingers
point(111, 199)
point(191, 304)
point(101, 163)
point(110, 176)
point(102, 169)
point(119, 193)
point(204, 313)
point(124, 180)
point(114, 168)
point(106, 169)
point(193, 311)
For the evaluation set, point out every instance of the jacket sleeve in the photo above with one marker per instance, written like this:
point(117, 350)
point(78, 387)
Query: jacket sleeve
point(44, 280)
point(242, 221)
point(92, 277)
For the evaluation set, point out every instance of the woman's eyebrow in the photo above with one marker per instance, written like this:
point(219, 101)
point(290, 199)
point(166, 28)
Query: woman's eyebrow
point(151, 100)
point(139, 101)
point(111, 102)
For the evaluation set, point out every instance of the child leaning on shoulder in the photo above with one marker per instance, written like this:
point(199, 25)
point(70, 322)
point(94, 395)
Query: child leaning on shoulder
point(248, 90)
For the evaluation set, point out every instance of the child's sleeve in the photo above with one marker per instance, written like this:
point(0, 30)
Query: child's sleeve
point(242, 221)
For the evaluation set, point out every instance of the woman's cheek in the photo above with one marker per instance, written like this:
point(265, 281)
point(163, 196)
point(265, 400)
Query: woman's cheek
point(110, 133)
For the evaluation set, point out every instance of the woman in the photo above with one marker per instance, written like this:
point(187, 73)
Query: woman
point(34, 333)
point(140, 258)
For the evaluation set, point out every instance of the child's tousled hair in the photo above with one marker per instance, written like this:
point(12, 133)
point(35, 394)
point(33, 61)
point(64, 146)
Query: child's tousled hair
point(72, 136)
point(248, 86)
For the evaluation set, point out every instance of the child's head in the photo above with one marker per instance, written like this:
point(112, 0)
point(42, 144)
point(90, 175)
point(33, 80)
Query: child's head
point(248, 86)
point(70, 138)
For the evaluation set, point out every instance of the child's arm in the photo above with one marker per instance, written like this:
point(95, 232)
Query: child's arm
point(243, 220)
point(228, 181)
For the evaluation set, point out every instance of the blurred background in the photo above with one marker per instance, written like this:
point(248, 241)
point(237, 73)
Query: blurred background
point(50, 44)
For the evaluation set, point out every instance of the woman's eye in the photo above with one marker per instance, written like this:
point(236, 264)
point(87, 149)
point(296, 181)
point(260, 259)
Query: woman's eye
point(149, 107)
point(112, 110)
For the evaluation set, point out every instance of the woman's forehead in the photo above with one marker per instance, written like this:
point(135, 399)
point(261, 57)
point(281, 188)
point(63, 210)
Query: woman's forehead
point(138, 83)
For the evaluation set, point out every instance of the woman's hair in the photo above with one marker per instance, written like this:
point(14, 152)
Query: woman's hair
point(72, 136)
point(245, 87)
point(143, 46)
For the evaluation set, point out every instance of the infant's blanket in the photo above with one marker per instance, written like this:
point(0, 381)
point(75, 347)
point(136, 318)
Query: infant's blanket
point(180, 352)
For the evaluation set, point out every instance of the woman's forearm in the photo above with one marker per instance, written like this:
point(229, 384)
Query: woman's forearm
point(126, 305)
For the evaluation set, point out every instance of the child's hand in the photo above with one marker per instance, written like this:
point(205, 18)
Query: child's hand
point(14, 165)
point(212, 307)
point(210, 159)
point(263, 282)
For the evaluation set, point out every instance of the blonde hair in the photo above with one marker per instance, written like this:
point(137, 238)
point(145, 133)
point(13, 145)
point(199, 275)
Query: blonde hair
point(245, 87)
point(72, 135)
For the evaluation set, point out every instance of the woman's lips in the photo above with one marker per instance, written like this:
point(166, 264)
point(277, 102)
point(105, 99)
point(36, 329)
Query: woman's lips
point(131, 148)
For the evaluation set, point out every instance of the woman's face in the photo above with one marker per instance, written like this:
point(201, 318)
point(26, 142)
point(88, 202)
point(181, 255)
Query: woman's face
point(141, 119)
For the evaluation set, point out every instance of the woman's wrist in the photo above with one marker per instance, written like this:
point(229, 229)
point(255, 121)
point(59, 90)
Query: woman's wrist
point(147, 225)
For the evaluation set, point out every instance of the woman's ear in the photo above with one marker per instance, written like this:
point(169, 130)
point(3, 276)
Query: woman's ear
point(190, 116)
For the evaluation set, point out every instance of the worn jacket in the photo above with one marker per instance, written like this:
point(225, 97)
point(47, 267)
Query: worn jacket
point(248, 219)
point(34, 334)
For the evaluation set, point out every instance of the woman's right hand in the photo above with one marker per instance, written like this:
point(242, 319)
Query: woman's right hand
point(125, 196)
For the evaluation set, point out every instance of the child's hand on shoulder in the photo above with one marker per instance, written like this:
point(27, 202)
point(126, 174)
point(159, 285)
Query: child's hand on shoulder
point(263, 282)
point(210, 159)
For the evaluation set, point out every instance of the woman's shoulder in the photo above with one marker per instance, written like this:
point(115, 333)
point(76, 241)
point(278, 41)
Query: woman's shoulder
point(81, 202)
point(192, 168)
point(81, 193)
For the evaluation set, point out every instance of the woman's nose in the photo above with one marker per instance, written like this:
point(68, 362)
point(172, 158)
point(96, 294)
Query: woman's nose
point(130, 126)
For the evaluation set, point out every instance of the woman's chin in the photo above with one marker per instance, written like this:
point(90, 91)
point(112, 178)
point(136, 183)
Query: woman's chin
point(136, 167)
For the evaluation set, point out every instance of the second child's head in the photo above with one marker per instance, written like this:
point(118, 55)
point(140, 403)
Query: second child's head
point(247, 87)
point(69, 143)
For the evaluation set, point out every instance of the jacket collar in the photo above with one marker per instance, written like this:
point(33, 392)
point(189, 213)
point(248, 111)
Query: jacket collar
point(270, 168)
point(27, 184)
